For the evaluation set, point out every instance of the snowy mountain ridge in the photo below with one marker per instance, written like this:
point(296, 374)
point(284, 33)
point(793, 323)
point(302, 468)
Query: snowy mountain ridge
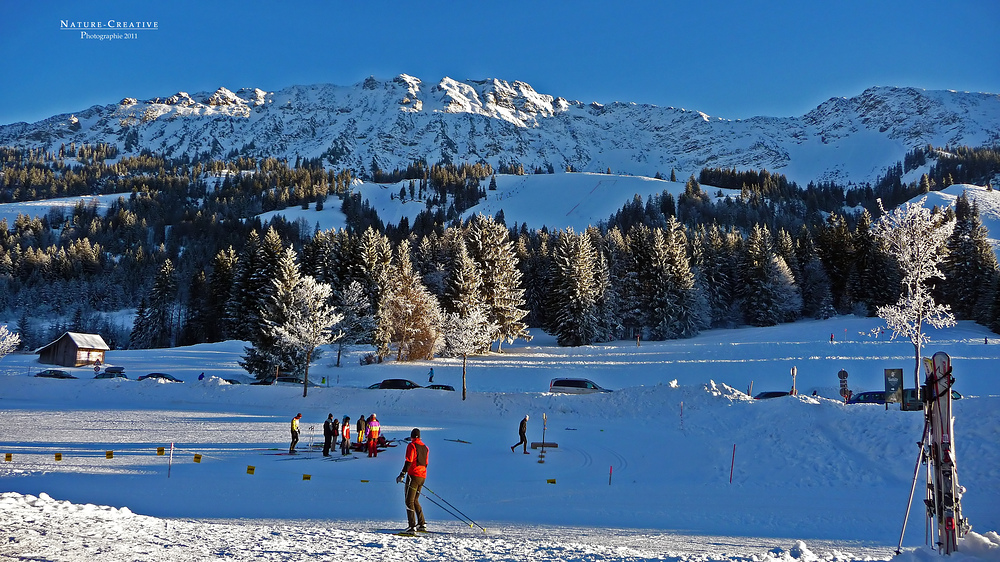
point(397, 121)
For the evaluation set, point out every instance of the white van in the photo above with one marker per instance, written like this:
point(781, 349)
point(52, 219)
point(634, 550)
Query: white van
point(574, 386)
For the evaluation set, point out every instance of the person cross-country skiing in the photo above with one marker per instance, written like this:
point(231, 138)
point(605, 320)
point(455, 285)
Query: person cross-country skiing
point(374, 428)
point(522, 431)
point(329, 434)
point(295, 433)
point(345, 441)
point(415, 472)
point(430, 375)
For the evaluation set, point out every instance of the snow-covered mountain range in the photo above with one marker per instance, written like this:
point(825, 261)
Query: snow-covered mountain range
point(397, 121)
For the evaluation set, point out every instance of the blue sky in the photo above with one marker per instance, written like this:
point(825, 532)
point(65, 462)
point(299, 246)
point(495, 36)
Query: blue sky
point(729, 59)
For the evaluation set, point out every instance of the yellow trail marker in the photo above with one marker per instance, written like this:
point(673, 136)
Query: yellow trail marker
point(365, 481)
point(250, 469)
point(197, 458)
point(307, 476)
point(109, 454)
point(551, 481)
point(8, 457)
point(160, 451)
point(58, 456)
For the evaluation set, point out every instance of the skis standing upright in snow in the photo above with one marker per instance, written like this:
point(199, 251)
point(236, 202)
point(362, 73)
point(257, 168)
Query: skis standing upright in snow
point(944, 495)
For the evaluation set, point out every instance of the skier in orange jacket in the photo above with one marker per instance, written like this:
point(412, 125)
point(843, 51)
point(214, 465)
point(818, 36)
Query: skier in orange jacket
point(415, 472)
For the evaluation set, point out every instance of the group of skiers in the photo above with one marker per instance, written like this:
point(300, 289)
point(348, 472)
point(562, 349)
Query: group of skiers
point(369, 435)
point(414, 471)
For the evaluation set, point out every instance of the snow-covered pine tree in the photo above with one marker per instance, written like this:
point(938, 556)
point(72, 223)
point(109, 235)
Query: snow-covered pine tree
point(197, 318)
point(463, 287)
point(875, 278)
point(308, 320)
point(713, 266)
point(242, 313)
point(268, 353)
point(606, 298)
point(26, 331)
point(139, 337)
point(534, 256)
point(970, 266)
point(409, 316)
point(680, 309)
point(490, 246)
point(220, 282)
point(917, 239)
point(572, 295)
point(836, 248)
point(817, 301)
point(761, 290)
point(357, 325)
point(374, 255)
point(636, 308)
point(154, 328)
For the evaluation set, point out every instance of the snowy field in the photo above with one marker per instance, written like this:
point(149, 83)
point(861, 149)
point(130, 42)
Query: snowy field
point(642, 473)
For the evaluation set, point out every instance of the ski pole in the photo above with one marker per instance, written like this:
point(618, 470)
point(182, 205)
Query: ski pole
point(446, 510)
point(913, 486)
point(455, 508)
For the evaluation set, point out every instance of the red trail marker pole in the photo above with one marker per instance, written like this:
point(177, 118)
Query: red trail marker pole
point(610, 469)
point(733, 465)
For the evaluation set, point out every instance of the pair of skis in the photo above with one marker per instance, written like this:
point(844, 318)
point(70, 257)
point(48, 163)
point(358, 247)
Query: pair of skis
point(937, 453)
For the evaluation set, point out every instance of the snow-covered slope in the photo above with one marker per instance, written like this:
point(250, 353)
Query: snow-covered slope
point(638, 474)
point(397, 121)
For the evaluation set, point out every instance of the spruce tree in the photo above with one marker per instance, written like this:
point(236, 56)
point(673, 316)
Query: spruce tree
point(490, 246)
point(409, 317)
point(572, 295)
point(970, 266)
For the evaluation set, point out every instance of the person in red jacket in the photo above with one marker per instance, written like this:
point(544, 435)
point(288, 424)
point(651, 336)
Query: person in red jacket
point(374, 428)
point(345, 442)
point(415, 472)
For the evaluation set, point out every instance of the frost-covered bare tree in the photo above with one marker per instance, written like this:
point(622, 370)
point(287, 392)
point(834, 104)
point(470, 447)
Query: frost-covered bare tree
point(308, 320)
point(8, 341)
point(465, 335)
point(916, 237)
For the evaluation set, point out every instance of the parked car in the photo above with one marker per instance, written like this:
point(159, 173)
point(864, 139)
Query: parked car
point(870, 397)
point(440, 387)
point(233, 381)
point(54, 374)
point(912, 403)
point(770, 394)
point(575, 386)
point(112, 373)
point(292, 381)
point(395, 384)
point(159, 377)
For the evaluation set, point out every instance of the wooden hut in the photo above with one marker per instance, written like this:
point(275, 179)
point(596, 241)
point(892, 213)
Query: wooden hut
point(74, 350)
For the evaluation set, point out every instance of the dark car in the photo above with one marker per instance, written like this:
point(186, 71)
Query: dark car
point(396, 384)
point(54, 374)
point(912, 403)
point(159, 377)
point(440, 387)
point(871, 397)
point(771, 394)
point(112, 373)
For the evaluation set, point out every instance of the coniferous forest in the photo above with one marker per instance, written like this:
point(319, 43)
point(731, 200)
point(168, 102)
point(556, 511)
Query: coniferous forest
point(182, 246)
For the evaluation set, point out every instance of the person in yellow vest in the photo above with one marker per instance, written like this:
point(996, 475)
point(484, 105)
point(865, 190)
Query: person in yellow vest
point(362, 429)
point(295, 433)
